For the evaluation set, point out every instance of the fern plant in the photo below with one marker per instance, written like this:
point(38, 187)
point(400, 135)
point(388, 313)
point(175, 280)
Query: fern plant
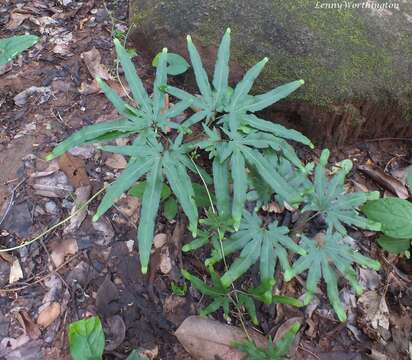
point(256, 243)
point(327, 254)
point(236, 135)
point(150, 154)
point(330, 200)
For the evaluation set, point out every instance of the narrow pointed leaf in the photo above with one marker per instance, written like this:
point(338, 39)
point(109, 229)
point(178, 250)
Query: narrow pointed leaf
point(270, 176)
point(200, 73)
point(89, 133)
point(221, 183)
point(269, 98)
point(244, 86)
point(277, 129)
point(126, 179)
point(221, 74)
point(181, 186)
point(135, 84)
point(150, 206)
point(239, 178)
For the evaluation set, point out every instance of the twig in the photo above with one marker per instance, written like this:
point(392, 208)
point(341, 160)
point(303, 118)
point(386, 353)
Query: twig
point(10, 204)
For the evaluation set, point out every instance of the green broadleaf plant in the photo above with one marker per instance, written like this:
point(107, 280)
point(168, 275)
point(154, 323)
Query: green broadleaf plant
point(12, 46)
point(86, 339)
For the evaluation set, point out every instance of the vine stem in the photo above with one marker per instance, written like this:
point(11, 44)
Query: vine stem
point(81, 208)
point(236, 302)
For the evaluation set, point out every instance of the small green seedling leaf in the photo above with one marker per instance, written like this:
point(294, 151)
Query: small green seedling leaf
point(134, 355)
point(176, 64)
point(86, 339)
point(12, 46)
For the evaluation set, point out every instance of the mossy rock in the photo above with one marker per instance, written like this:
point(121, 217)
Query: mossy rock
point(356, 63)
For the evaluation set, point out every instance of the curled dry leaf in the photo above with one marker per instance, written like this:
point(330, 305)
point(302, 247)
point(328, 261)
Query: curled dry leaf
point(16, 273)
point(285, 327)
point(61, 249)
point(30, 328)
point(208, 339)
point(385, 180)
point(48, 315)
point(82, 194)
point(92, 59)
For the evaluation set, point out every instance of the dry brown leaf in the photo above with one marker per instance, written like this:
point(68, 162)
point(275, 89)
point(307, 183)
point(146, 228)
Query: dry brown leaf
point(82, 194)
point(387, 181)
point(63, 248)
point(48, 315)
point(208, 339)
point(116, 161)
point(75, 170)
point(16, 273)
point(375, 309)
point(92, 59)
point(16, 19)
point(29, 327)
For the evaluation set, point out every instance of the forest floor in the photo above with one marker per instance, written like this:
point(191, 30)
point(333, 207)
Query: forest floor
point(91, 268)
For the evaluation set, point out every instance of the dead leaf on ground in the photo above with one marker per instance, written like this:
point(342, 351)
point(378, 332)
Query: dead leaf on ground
point(115, 332)
point(116, 161)
point(82, 194)
point(208, 339)
point(165, 264)
point(16, 273)
point(60, 249)
point(55, 185)
point(29, 327)
point(48, 315)
point(129, 206)
point(385, 180)
point(41, 95)
point(375, 312)
point(106, 298)
point(92, 59)
point(75, 170)
point(16, 19)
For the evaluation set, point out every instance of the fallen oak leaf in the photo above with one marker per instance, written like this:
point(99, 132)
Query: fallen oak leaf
point(208, 339)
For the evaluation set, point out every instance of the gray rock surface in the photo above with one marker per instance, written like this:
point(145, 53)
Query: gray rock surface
point(355, 57)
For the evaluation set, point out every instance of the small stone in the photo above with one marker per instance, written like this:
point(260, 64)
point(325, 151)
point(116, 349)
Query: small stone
point(51, 208)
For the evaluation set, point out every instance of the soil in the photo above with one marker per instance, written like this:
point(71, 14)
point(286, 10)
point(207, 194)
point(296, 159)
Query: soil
point(93, 269)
